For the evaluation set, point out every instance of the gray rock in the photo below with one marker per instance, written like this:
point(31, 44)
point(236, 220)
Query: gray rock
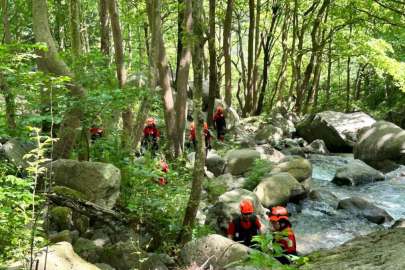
point(270, 133)
point(240, 161)
point(216, 249)
point(278, 189)
point(299, 167)
point(325, 196)
point(104, 266)
point(356, 173)
point(316, 147)
point(268, 152)
point(360, 207)
point(381, 145)
point(64, 236)
point(100, 182)
point(378, 250)
point(293, 151)
point(400, 223)
point(86, 249)
point(277, 120)
point(14, 150)
point(215, 164)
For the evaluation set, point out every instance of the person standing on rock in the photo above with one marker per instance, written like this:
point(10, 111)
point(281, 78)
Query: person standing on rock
point(245, 226)
point(219, 123)
point(151, 135)
point(279, 219)
point(207, 136)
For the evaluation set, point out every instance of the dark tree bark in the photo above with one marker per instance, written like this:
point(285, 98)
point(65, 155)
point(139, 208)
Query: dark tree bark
point(284, 58)
point(348, 74)
point(180, 22)
point(227, 53)
point(198, 173)
point(104, 28)
point(121, 72)
point(183, 74)
point(213, 82)
point(358, 82)
point(50, 63)
point(249, 91)
point(74, 6)
point(329, 76)
point(7, 34)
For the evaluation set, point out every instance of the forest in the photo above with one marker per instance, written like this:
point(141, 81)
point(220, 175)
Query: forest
point(66, 65)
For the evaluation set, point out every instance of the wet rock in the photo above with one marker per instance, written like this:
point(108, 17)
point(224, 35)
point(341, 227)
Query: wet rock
point(356, 173)
point(360, 207)
point(316, 147)
point(299, 167)
point(381, 145)
point(293, 151)
point(326, 196)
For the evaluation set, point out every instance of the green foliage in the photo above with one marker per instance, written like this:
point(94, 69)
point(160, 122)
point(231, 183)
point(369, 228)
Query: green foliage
point(270, 248)
point(200, 231)
point(259, 168)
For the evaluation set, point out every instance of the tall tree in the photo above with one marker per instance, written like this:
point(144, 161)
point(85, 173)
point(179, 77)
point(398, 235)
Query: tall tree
point(213, 82)
point(120, 67)
point(104, 28)
point(283, 68)
point(50, 63)
point(249, 91)
point(198, 173)
point(74, 6)
point(227, 53)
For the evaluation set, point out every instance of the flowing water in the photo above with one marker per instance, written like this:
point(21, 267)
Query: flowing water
point(319, 225)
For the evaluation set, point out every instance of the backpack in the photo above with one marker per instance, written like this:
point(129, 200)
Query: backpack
point(245, 235)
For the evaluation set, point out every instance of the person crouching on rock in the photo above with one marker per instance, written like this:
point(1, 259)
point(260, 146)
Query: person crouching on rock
point(245, 226)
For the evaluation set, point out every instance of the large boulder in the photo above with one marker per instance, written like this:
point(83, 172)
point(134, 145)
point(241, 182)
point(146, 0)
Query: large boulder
point(268, 152)
point(227, 208)
point(277, 120)
point(219, 185)
point(337, 130)
point(381, 145)
point(125, 255)
point(324, 196)
point(279, 189)
point(215, 164)
point(100, 182)
point(61, 256)
point(15, 150)
point(379, 250)
point(356, 173)
point(240, 161)
point(360, 207)
point(214, 251)
point(299, 168)
point(270, 134)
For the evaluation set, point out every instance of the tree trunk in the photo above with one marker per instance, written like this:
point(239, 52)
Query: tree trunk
point(104, 28)
point(8, 95)
point(152, 76)
point(213, 82)
point(198, 173)
point(328, 80)
point(74, 6)
point(180, 21)
point(348, 75)
point(50, 63)
point(292, 52)
point(249, 91)
point(283, 69)
point(120, 68)
point(183, 74)
point(257, 49)
point(358, 82)
point(311, 92)
point(241, 56)
point(227, 53)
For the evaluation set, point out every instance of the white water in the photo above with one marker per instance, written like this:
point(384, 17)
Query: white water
point(320, 226)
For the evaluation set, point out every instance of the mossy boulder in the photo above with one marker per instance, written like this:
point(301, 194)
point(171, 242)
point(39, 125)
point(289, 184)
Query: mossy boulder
point(70, 192)
point(86, 249)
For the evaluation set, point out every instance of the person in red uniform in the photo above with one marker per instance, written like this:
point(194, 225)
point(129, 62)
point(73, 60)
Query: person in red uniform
point(219, 123)
point(96, 131)
point(165, 168)
point(279, 219)
point(245, 226)
point(151, 135)
point(207, 136)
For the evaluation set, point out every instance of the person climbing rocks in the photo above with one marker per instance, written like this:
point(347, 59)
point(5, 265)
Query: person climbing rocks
point(97, 130)
point(219, 123)
point(151, 135)
point(245, 226)
point(279, 219)
point(207, 136)
point(161, 165)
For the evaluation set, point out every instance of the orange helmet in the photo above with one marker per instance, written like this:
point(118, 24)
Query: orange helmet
point(192, 125)
point(219, 109)
point(246, 206)
point(205, 126)
point(278, 213)
point(150, 120)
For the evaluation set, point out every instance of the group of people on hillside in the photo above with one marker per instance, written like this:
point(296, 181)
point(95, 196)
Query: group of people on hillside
point(244, 227)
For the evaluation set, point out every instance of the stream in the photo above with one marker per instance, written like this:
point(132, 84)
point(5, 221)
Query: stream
point(318, 225)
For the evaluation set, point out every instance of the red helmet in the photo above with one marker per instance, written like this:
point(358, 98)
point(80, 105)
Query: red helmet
point(205, 126)
point(246, 206)
point(219, 109)
point(278, 213)
point(192, 125)
point(150, 120)
point(163, 165)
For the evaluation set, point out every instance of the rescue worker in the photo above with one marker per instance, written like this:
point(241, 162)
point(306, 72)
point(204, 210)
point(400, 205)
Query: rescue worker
point(207, 136)
point(219, 123)
point(151, 135)
point(245, 226)
point(165, 168)
point(95, 130)
point(279, 219)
